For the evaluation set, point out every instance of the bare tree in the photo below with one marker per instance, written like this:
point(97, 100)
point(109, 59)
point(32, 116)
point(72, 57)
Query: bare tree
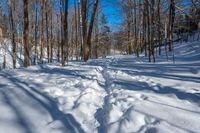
point(26, 35)
point(11, 8)
point(36, 32)
point(41, 31)
point(87, 50)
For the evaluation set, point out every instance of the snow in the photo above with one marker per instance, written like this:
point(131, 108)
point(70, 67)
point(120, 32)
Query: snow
point(119, 94)
point(6, 50)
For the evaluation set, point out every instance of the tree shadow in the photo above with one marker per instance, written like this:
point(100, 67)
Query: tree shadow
point(129, 66)
point(159, 119)
point(66, 72)
point(49, 104)
point(139, 86)
point(165, 72)
point(159, 70)
point(20, 117)
point(101, 115)
point(61, 71)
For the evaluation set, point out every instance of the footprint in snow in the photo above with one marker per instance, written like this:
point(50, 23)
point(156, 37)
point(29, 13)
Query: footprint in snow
point(151, 130)
point(151, 120)
point(143, 97)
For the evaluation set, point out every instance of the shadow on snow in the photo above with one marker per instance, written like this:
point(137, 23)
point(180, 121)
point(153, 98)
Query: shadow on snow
point(49, 104)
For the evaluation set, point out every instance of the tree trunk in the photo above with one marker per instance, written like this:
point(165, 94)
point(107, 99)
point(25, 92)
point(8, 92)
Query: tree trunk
point(76, 30)
point(87, 51)
point(65, 41)
point(51, 46)
point(84, 28)
point(36, 32)
point(171, 23)
point(42, 31)
point(58, 39)
point(26, 35)
point(12, 24)
point(80, 27)
point(47, 29)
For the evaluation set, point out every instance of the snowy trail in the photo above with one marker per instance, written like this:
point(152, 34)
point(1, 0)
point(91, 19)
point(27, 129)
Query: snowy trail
point(138, 102)
point(119, 94)
point(144, 98)
point(69, 96)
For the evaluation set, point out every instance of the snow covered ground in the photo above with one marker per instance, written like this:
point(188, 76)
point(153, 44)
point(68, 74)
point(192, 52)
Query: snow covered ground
point(119, 94)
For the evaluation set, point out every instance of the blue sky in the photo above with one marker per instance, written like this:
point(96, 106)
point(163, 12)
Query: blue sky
point(112, 12)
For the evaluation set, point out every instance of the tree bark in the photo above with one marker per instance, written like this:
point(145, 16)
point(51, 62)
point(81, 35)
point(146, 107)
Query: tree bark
point(12, 20)
point(36, 31)
point(80, 27)
point(42, 31)
point(88, 47)
point(47, 29)
point(26, 35)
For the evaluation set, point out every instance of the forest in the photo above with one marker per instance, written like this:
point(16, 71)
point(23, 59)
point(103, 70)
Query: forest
point(99, 66)
point(66, 30)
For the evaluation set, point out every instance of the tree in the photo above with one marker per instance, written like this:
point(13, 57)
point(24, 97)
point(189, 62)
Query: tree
point(104, 37)
point(64, 42)
point(147, 26)
point(47, 28)
point(76, 29)
point(80, 19)
point(12, 11)
point(87, 50)
point(66, 32)
point(171, 23)
point(41, 30)
point(26, 35)
point(36, 31)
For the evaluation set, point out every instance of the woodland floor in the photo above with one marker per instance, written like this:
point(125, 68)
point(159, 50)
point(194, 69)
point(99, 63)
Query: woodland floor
point(119, 94)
